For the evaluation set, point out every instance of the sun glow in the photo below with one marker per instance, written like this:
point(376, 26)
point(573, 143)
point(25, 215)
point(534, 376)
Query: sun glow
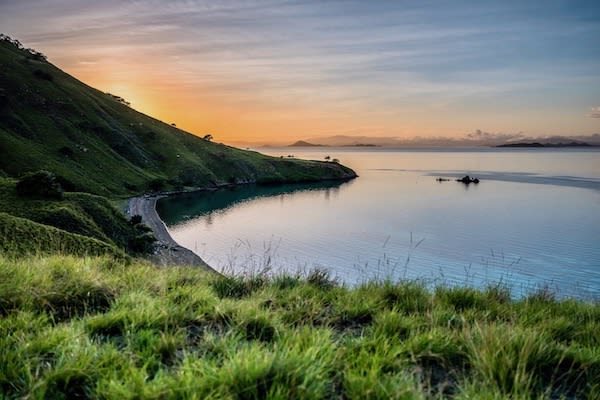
point(297, 71)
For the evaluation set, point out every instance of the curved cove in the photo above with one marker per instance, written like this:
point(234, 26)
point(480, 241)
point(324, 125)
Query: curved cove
point(401, 224)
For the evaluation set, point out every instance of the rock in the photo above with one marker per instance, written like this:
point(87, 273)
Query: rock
point(467, 180)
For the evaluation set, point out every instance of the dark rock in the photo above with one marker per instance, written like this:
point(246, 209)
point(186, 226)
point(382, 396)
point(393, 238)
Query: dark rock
point(467, 180)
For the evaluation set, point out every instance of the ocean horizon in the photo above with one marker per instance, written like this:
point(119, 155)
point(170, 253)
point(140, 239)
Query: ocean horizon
point(532, 222)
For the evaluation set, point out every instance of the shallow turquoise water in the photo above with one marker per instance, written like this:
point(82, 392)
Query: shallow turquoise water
point(534, 220)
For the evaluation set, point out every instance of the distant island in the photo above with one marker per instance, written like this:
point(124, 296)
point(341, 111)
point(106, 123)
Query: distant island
point(471, 140)
point(538, 144)
point(302, 143)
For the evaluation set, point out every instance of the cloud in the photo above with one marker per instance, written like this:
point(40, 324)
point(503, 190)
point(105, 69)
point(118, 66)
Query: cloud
point(481, 135)
point(595, 112)
point(342, 63)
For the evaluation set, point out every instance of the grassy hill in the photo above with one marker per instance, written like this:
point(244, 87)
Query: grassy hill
point(95, 143)
point(98, 146)
point(70, 225)
point(94, 328)
point(20, 237)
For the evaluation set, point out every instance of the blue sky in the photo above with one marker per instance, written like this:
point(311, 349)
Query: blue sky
point(253, 70)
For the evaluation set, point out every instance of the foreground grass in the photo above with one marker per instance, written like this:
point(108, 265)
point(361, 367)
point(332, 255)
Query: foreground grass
point(95, 328)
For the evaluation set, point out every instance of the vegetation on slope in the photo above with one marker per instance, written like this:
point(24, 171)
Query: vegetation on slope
point(82, 328)
point(95, 143)
point(20, 236)
point(93, 219)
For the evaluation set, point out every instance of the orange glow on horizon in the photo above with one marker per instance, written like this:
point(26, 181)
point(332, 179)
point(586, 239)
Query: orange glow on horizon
point(247, 73)
point(262, 119)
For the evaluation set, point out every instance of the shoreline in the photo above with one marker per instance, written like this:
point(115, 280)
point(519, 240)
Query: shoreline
point(167, 250)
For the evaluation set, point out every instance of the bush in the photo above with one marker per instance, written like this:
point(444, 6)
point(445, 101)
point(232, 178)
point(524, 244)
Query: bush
point(66, 151)
point(66, 184)
point(157, 184)
point(43, 75)
point(142, 243)
point(135, 219)
point(40, 184)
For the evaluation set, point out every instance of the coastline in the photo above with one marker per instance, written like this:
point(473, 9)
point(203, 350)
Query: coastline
point(168, 251)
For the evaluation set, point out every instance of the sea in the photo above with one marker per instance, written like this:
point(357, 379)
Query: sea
point(531, 223)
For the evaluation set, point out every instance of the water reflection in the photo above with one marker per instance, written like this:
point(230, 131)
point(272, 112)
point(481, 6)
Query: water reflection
point(523, 227)
point(177, 209)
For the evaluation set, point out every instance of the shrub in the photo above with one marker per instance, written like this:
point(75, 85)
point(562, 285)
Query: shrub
point(43, 75)
point(66, 151)
point(66, 184)
point(40, 184)
point(142, 243)
point(130, 187)
point(135, 219)
point(157, 184)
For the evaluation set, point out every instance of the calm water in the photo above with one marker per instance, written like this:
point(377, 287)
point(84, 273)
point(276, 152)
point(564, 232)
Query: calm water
point(534, 219)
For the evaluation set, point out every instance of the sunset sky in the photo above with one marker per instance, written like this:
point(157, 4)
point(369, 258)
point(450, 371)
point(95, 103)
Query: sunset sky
point(271, 71)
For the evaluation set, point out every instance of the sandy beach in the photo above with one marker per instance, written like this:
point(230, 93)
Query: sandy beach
point(167, 252)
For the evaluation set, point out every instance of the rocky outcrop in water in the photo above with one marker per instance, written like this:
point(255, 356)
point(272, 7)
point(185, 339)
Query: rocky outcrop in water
point(468, 180)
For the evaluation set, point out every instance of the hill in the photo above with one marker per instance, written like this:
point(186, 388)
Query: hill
point(549, 144)
point(96, 143)
point(67, 225)
point(302, 143)
point(93, 328)
point(20, 237)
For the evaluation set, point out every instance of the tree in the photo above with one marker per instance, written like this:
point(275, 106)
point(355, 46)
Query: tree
point(66, 151)
point(208, 137)
point(157, 184)
point(135, 219)
point(40, 184)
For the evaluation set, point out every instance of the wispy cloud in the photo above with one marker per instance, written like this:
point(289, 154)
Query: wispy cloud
point(595, 112)
point(480, 135)
point(351, 63)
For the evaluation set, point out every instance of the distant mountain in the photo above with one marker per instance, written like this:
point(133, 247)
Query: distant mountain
point(96, 143)
point(302, 143)
point(477, 139)
point(537, 144)
point(368, 141)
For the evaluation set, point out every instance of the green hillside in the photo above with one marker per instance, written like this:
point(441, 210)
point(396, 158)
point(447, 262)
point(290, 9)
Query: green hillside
point(20, 236)
point(93, 219)
point(95, 143)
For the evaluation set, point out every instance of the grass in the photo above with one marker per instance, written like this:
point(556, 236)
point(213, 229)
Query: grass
point(85, 224)
point(19, 236)
point(95, 144)
point(99, 328)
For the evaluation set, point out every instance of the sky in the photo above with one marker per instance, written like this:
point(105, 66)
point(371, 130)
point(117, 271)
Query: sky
point(275, 71)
